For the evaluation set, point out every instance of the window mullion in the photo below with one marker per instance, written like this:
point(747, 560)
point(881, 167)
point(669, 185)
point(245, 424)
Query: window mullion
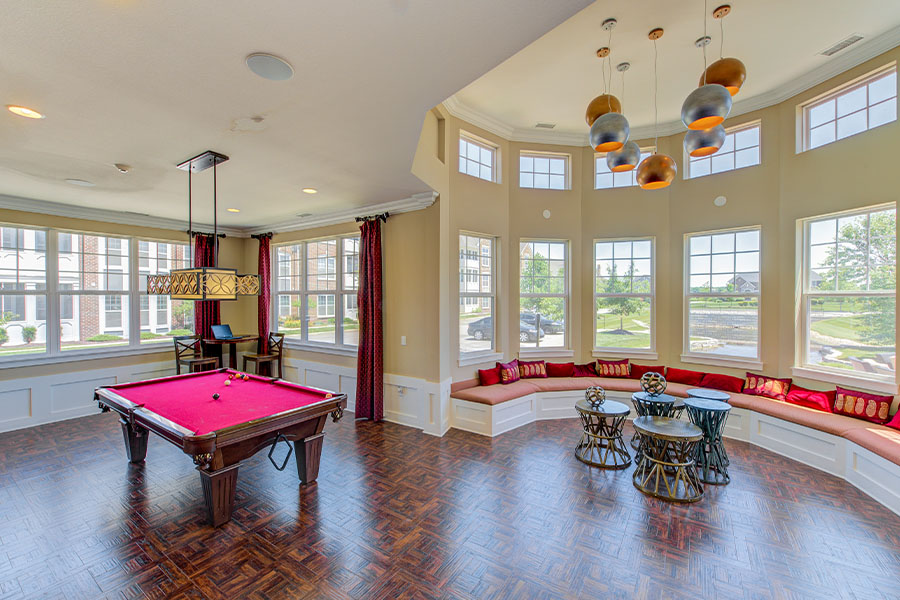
point(133, 295)
point(51, 264)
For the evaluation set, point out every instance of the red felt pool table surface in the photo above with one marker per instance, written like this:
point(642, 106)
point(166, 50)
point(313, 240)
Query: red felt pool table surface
point(187, 399)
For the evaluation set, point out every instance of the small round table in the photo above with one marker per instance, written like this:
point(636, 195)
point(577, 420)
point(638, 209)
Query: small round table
point(661, 405)
point(665, 465)
point(601, 442)
point(708, 394)
point(709, 416)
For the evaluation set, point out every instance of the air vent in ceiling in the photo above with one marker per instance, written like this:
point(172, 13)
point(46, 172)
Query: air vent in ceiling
point(847, 41)
point(545, 125)
point(304, 215)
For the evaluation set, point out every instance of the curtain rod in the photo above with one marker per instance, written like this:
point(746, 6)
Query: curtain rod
point(259, 236)
point(383, 216)
point(199, 233)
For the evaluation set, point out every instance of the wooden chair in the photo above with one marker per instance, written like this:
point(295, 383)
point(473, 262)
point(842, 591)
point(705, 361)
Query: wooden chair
point(188, 351)
point(276, 350)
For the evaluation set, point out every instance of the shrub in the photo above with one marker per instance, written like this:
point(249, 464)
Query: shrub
point(149, 335)
point(292, 324)
point(4, 337)
point(175, 332)
point(29, 333)
point(104, 337)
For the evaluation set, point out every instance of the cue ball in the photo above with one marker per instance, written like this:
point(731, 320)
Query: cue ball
point(227, 382)
point(215, 396)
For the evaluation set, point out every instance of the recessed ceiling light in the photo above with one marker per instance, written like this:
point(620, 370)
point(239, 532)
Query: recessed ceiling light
point(269, 66)
point(310, 191)
point(122, 168)
point(24, 111)
point(234, 210)
point(81, 182)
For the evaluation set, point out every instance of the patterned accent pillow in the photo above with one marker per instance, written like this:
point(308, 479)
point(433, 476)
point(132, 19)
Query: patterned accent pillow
point(770, 387)
point(612, 368)
point(532, 369)
point(561, 369)
point(509, 372)
point(637, 371)
point(811, 398)
point(585, 370)
point(489, 376)
point(862, 405)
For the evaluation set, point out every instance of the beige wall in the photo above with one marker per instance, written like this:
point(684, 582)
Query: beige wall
point(851, 173)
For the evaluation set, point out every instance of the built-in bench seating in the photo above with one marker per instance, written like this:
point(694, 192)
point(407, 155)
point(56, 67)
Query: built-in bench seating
point(493, 409)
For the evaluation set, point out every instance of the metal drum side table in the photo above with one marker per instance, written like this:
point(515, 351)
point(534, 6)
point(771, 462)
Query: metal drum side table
point(601, 443)
point(709, 416)
point(708, 394)
point(665, 464)
point(662, 405)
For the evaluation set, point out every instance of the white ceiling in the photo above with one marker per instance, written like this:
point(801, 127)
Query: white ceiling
point(151, 83)
point(554, 78)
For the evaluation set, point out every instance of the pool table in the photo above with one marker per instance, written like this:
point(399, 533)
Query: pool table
point(221, 424)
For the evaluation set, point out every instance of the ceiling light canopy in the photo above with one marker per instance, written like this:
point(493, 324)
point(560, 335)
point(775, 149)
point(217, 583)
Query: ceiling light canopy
point(233, 210)
point(24, 111)
point(703, 142)
point(310, 191)
point(269, 66)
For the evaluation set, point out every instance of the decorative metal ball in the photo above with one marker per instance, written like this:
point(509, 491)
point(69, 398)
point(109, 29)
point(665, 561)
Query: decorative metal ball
point(624, 159)
point(595, 395)
point(602, 104)
point(609, 132)
point(703, 142)
point(728, 72)
point(653, 383)
point(656, 171)
point(706, 107)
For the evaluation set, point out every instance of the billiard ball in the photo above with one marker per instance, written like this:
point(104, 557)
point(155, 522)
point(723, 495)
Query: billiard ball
point(227, 382)
point(231, 376)
point(246, 377)
point(327, 396)
point(215, 396)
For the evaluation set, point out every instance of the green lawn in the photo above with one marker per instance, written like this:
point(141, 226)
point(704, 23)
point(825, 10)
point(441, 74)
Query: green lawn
point(611, 340)
point(845, 328)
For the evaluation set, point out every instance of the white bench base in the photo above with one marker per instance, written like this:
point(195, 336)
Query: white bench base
point(874, 475)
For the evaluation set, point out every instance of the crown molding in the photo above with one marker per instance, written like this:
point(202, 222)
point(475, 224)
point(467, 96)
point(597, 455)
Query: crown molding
point(844, 61)
point(410, 204)
point(59, 209)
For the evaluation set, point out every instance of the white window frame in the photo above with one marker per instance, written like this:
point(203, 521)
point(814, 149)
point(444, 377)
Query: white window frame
point(802, 367)
point(639, 353)
point(536, 154)
point(598, 156)
point(478, 356)
point(340, 346)
point(803, 110)
point(158, 317)
point(484, 145)
point(689, 160)
point(556, 351)
point(710, 358)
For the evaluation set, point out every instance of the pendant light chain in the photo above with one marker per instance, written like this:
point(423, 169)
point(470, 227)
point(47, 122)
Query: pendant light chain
point(655, 93)
point(607, 71)
point(721, 38)
point(215, 216)
point(705, 43)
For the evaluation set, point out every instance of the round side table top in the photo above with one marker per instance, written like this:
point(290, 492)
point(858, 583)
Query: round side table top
point(645, 397)
point(609, 408)
point(668, 429)
point(708, 394)
point(705, 404)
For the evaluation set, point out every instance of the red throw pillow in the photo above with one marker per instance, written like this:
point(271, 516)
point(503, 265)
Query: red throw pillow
point(586, 370)
point(726, 383)
point(612, 368)
point(561, 369)
point(811, 398)
point(684, 376)
point(489, 376)
point(770, 387)
point(509, 372)
point(637, 371)
point(870, 407)
point(532, 369)
point(895, 422)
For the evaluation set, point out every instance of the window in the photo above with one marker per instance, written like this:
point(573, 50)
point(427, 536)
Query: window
point(605, 179)
point(741, 149)
point(477, 294)
point(477, 158)
point(722, 300)
point(623, 295)
point(315, 291)
point(543, 294)
point(162, 317)
point(23, 291)
point(544, 171)
point(848, 292)
point(851, 109)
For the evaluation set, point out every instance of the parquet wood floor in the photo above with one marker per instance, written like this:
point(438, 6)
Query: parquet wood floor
point(399, 514)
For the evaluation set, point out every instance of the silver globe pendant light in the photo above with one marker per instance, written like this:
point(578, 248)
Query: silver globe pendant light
point(627, 157)
point(703, 142)
point(610, 130)
point(657, 171)
point(710, 104)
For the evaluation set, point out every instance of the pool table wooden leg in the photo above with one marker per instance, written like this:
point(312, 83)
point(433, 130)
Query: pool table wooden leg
point(218, 491)
point(309, 451)
point(135, 441)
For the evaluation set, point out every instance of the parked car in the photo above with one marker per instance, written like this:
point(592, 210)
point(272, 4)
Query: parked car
point(483, 329)
point(548, 325)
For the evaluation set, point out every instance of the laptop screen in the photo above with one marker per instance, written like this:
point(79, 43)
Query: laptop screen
point(222, 332)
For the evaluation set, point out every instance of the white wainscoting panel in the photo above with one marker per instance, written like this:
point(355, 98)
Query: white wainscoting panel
point(809, 446)
point(877, 476)
point(15, 405)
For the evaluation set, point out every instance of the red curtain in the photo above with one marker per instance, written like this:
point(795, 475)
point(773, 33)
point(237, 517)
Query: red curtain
point(265, 293)
point(206, 313)
point(369, 373)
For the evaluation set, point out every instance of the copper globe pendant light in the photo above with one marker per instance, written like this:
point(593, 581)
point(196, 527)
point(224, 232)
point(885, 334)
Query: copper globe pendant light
point(629, 155)
point(609, 128)
point(657, 170)
point(709, 104)
point(727, 72)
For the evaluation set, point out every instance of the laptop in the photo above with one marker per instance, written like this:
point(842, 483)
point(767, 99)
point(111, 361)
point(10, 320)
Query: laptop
point(222, 332)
